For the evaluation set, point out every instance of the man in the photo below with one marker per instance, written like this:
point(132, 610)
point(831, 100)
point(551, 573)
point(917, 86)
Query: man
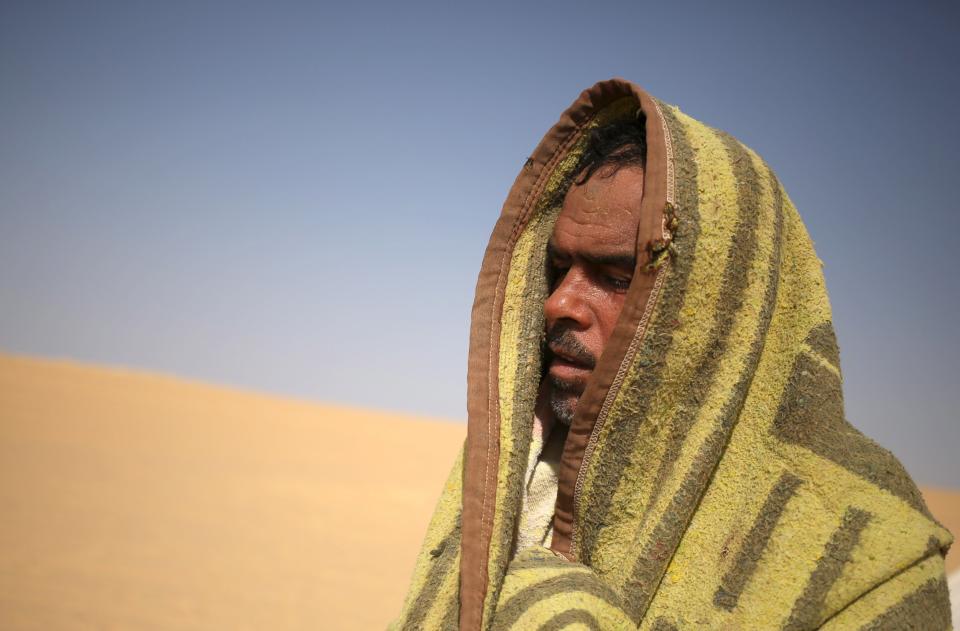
point(656, 435)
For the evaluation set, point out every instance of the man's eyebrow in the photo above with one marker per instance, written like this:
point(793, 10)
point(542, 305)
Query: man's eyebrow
point(624, 261)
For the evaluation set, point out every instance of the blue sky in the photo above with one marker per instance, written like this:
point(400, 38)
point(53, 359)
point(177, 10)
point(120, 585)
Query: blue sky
point(295, 197)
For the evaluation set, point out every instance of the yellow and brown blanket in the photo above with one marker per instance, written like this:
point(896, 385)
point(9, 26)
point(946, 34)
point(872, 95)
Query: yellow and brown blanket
point(709, 478)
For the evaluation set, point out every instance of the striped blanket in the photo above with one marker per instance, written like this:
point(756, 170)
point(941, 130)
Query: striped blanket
point(709, 478)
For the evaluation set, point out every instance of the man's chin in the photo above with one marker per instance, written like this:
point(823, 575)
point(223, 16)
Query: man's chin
point(563, 407)
point(564, 395)
point(563, 403)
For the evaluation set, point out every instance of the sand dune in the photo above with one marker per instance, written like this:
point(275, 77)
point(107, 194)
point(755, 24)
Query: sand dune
point(134, 501)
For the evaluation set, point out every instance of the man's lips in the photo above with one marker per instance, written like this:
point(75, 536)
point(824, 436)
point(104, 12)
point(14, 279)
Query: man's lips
point(564, 370)
point(560, 360)
point(567, 368)
point(570, 358)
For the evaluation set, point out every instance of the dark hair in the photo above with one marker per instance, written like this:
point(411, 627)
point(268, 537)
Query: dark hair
point(619, 144)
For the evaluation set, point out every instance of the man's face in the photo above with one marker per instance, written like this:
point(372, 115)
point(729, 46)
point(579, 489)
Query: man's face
point(591, 255)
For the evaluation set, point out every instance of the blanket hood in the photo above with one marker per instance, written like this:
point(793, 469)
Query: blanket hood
point(709, 477)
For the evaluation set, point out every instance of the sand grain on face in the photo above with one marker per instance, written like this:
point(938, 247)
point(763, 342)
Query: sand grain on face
point(132, 501)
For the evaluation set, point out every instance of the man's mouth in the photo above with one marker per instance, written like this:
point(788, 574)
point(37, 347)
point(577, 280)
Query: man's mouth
point(565, 348)
point(567, 359)
point(568, 376)
point(570, 363)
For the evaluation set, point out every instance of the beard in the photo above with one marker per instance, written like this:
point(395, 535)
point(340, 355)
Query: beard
point(564, 397)
point(565, 393)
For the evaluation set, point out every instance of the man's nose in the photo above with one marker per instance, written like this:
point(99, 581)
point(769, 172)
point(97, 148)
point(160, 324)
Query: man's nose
point(568, 301)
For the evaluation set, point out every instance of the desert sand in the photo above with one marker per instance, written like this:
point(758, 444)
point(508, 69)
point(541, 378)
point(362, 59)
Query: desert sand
point(137, 501)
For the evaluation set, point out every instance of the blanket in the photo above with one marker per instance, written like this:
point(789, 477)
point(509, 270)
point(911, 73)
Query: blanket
point(709, 478)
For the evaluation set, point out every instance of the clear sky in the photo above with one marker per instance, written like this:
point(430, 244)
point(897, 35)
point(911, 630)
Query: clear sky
point(295, 197)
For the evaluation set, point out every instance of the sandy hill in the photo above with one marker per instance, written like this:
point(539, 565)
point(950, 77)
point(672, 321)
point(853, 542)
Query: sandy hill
point(133, 501)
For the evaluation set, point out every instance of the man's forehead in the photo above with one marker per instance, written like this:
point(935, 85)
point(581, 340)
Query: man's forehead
point(618, 193)
point(604, 212)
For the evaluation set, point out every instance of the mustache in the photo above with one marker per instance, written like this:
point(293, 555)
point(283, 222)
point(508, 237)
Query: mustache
point(562, 341)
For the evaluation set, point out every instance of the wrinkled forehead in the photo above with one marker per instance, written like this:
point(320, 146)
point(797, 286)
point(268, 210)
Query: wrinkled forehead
point(606, 206)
